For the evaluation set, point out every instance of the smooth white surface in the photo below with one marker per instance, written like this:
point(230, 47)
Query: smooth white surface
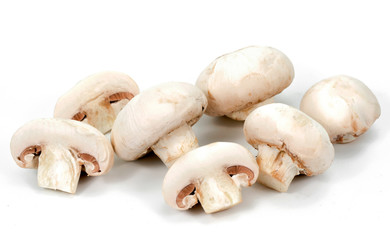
point(46, 47)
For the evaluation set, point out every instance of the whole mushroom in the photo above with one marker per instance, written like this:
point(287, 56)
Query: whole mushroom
point(60, 149)
point(237, 83)
point(289, 143)
point(343, 105)
point(159, 119)
point(213, 174)
point(97, 99)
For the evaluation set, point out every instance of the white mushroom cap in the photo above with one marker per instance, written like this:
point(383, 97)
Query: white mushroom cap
point(153, 114)
point(214, 170)
point(343, 105)
point(238, 80)
point(93, 149)
point(97, 99)
point(292, 133)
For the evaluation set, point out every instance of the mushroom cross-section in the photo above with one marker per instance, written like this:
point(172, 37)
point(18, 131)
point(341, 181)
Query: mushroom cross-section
point(289, 143)
point(160, 119)
point(213, 174)
point(238, 82)
point(97, 99)
point(60, 149)
point(343, 105)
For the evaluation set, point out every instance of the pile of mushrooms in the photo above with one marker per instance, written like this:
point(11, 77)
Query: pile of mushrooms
point(240, 85)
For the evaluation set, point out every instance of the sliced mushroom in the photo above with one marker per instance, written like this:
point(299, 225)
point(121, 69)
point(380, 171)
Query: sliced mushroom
point(59, 148)
point(238, 81)
point(160, 119)
point(289, 143)
point(97, 99)
point(343, 105)
point(213, 174)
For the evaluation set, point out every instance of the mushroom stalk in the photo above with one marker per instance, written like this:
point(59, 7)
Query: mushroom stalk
point(175, 144)
point(242, 114)
point(58, 169)
point(276, 168)
point(218, 193)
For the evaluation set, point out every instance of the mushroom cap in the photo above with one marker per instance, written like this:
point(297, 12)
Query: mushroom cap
point(237, 80)
point(99, 85)
point(153, 114)
point(79, 137)
point(292, 131)
point(204, 162)
point(342, 105)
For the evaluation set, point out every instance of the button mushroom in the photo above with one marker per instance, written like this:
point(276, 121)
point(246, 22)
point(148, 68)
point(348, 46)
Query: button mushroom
point(213, 174)
point(237, 82)
point(59, 148)
point(159, 118)
point(343, 105)
point(289, 143)
point(97, 99)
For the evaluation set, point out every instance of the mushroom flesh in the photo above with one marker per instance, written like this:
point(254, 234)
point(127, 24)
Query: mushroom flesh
point(289, 143)
point(97, 99)
point(60, 149)
point(213, 174)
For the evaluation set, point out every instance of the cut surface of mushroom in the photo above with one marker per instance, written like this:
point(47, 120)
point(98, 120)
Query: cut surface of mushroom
point(235, 82)
point(97, 99)
point(289, 143)
point(59, 148)
point(161, 119)
point(212, 174)
point(343, 105)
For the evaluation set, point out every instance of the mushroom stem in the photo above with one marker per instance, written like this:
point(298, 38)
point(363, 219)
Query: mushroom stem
point(175, 144)
point(58, 169)
point(242, 114)
point(218, 193)
point(276, 168)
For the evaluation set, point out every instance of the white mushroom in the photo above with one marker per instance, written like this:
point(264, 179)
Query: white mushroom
point(343, 105)
point(237, 81)
point(59, 148)
point(289, 143)
point(97, 99)
point(159, 118)
point(213, 174)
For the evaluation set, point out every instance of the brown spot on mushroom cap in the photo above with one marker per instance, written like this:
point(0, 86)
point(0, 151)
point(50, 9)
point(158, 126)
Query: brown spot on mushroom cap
point(119, 96)
point(91, 159)
point(233, 170)
point(36, 150)
point(187, 190)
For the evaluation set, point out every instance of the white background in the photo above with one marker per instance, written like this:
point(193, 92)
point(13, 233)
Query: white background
point(48, 46)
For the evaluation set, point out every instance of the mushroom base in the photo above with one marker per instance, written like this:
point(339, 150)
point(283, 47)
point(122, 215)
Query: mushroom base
point(218, 193)
point(276, 168)
point(242, 114)
point(175, 144)
point(58, 169)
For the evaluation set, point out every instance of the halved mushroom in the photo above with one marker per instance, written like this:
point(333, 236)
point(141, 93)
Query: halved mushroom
point(213, 174)
point(97, 99)
point(343, 105)
point(289, 143)
point(160, 119)
point(59, 148)
point(241, 80)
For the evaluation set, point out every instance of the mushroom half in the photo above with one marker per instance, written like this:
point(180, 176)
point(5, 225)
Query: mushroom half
point(159, 119)
point(213, 174)
point(289, 143)
point(343, 105)
point(237, 83)
point(60, 149)
point(97, 99)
